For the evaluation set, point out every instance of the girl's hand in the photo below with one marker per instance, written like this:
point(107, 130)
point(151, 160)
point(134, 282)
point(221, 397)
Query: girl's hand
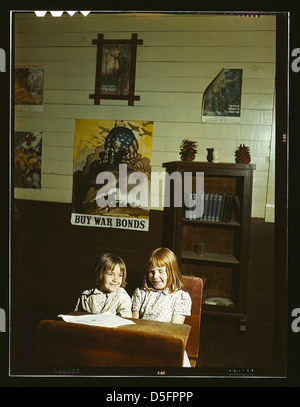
point(135, 314)
point(178, 319)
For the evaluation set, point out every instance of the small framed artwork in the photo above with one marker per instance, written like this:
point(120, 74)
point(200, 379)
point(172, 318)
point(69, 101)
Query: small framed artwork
point(115, 69)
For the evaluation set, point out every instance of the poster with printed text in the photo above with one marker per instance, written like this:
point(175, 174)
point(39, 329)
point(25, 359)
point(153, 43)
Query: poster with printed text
point(112, 173)
point(222, 98)
point(116, 69)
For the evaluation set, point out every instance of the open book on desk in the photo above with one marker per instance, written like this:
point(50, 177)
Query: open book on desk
point(106, 319)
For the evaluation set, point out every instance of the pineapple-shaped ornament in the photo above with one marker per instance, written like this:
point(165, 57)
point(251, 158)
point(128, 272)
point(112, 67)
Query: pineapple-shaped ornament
point(242, 155)
point(188, 150)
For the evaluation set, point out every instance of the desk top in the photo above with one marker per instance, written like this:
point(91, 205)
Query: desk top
point(159, 328)
point(151, 327)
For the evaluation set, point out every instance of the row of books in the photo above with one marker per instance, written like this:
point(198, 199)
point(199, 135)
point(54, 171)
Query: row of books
point(216, 207)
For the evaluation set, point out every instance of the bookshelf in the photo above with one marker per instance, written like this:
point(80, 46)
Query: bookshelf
point(215, 245)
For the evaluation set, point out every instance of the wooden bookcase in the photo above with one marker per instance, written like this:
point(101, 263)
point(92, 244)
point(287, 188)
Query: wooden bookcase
point(215, 250)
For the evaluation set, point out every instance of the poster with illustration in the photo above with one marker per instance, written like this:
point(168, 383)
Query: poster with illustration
point(27, 160)
point(112, 173)
point(29, 87)
point(222, 98)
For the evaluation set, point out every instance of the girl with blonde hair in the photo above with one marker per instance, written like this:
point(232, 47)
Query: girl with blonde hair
point(161, 297)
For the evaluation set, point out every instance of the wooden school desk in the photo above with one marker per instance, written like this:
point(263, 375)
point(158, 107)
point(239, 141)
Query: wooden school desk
point(145, 343)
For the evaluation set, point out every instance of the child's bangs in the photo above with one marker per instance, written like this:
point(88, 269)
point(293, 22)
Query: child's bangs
point(156, 262)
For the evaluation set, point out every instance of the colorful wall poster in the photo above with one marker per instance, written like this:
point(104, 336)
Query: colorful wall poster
point(27, 160)
point(29, 87)
point(112, 173)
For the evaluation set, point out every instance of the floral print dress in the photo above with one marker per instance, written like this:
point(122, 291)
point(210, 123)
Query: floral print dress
point(161, 305)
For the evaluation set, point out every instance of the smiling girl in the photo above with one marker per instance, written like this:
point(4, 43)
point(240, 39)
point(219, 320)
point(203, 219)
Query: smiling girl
point(161, 297)
point(108, 293)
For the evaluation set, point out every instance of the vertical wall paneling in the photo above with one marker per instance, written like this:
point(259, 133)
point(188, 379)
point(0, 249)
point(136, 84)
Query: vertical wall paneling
point(180, 56)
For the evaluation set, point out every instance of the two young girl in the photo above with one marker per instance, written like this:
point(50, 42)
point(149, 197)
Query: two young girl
point(160, 298)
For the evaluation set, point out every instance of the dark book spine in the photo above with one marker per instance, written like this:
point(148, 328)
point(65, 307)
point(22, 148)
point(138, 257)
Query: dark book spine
point(218, 209)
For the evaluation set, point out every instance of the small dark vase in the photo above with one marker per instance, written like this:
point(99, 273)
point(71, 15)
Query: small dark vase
point(210, 154)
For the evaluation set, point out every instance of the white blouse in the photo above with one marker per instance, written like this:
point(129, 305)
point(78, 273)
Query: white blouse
point(97, 302)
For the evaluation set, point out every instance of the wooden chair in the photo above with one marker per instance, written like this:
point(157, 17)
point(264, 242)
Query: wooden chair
point(194, 286)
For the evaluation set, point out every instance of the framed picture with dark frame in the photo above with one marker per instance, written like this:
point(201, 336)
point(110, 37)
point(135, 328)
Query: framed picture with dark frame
point(115, 69)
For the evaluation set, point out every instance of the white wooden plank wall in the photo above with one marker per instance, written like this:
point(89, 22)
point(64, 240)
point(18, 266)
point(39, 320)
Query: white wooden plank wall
point(180, 56)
